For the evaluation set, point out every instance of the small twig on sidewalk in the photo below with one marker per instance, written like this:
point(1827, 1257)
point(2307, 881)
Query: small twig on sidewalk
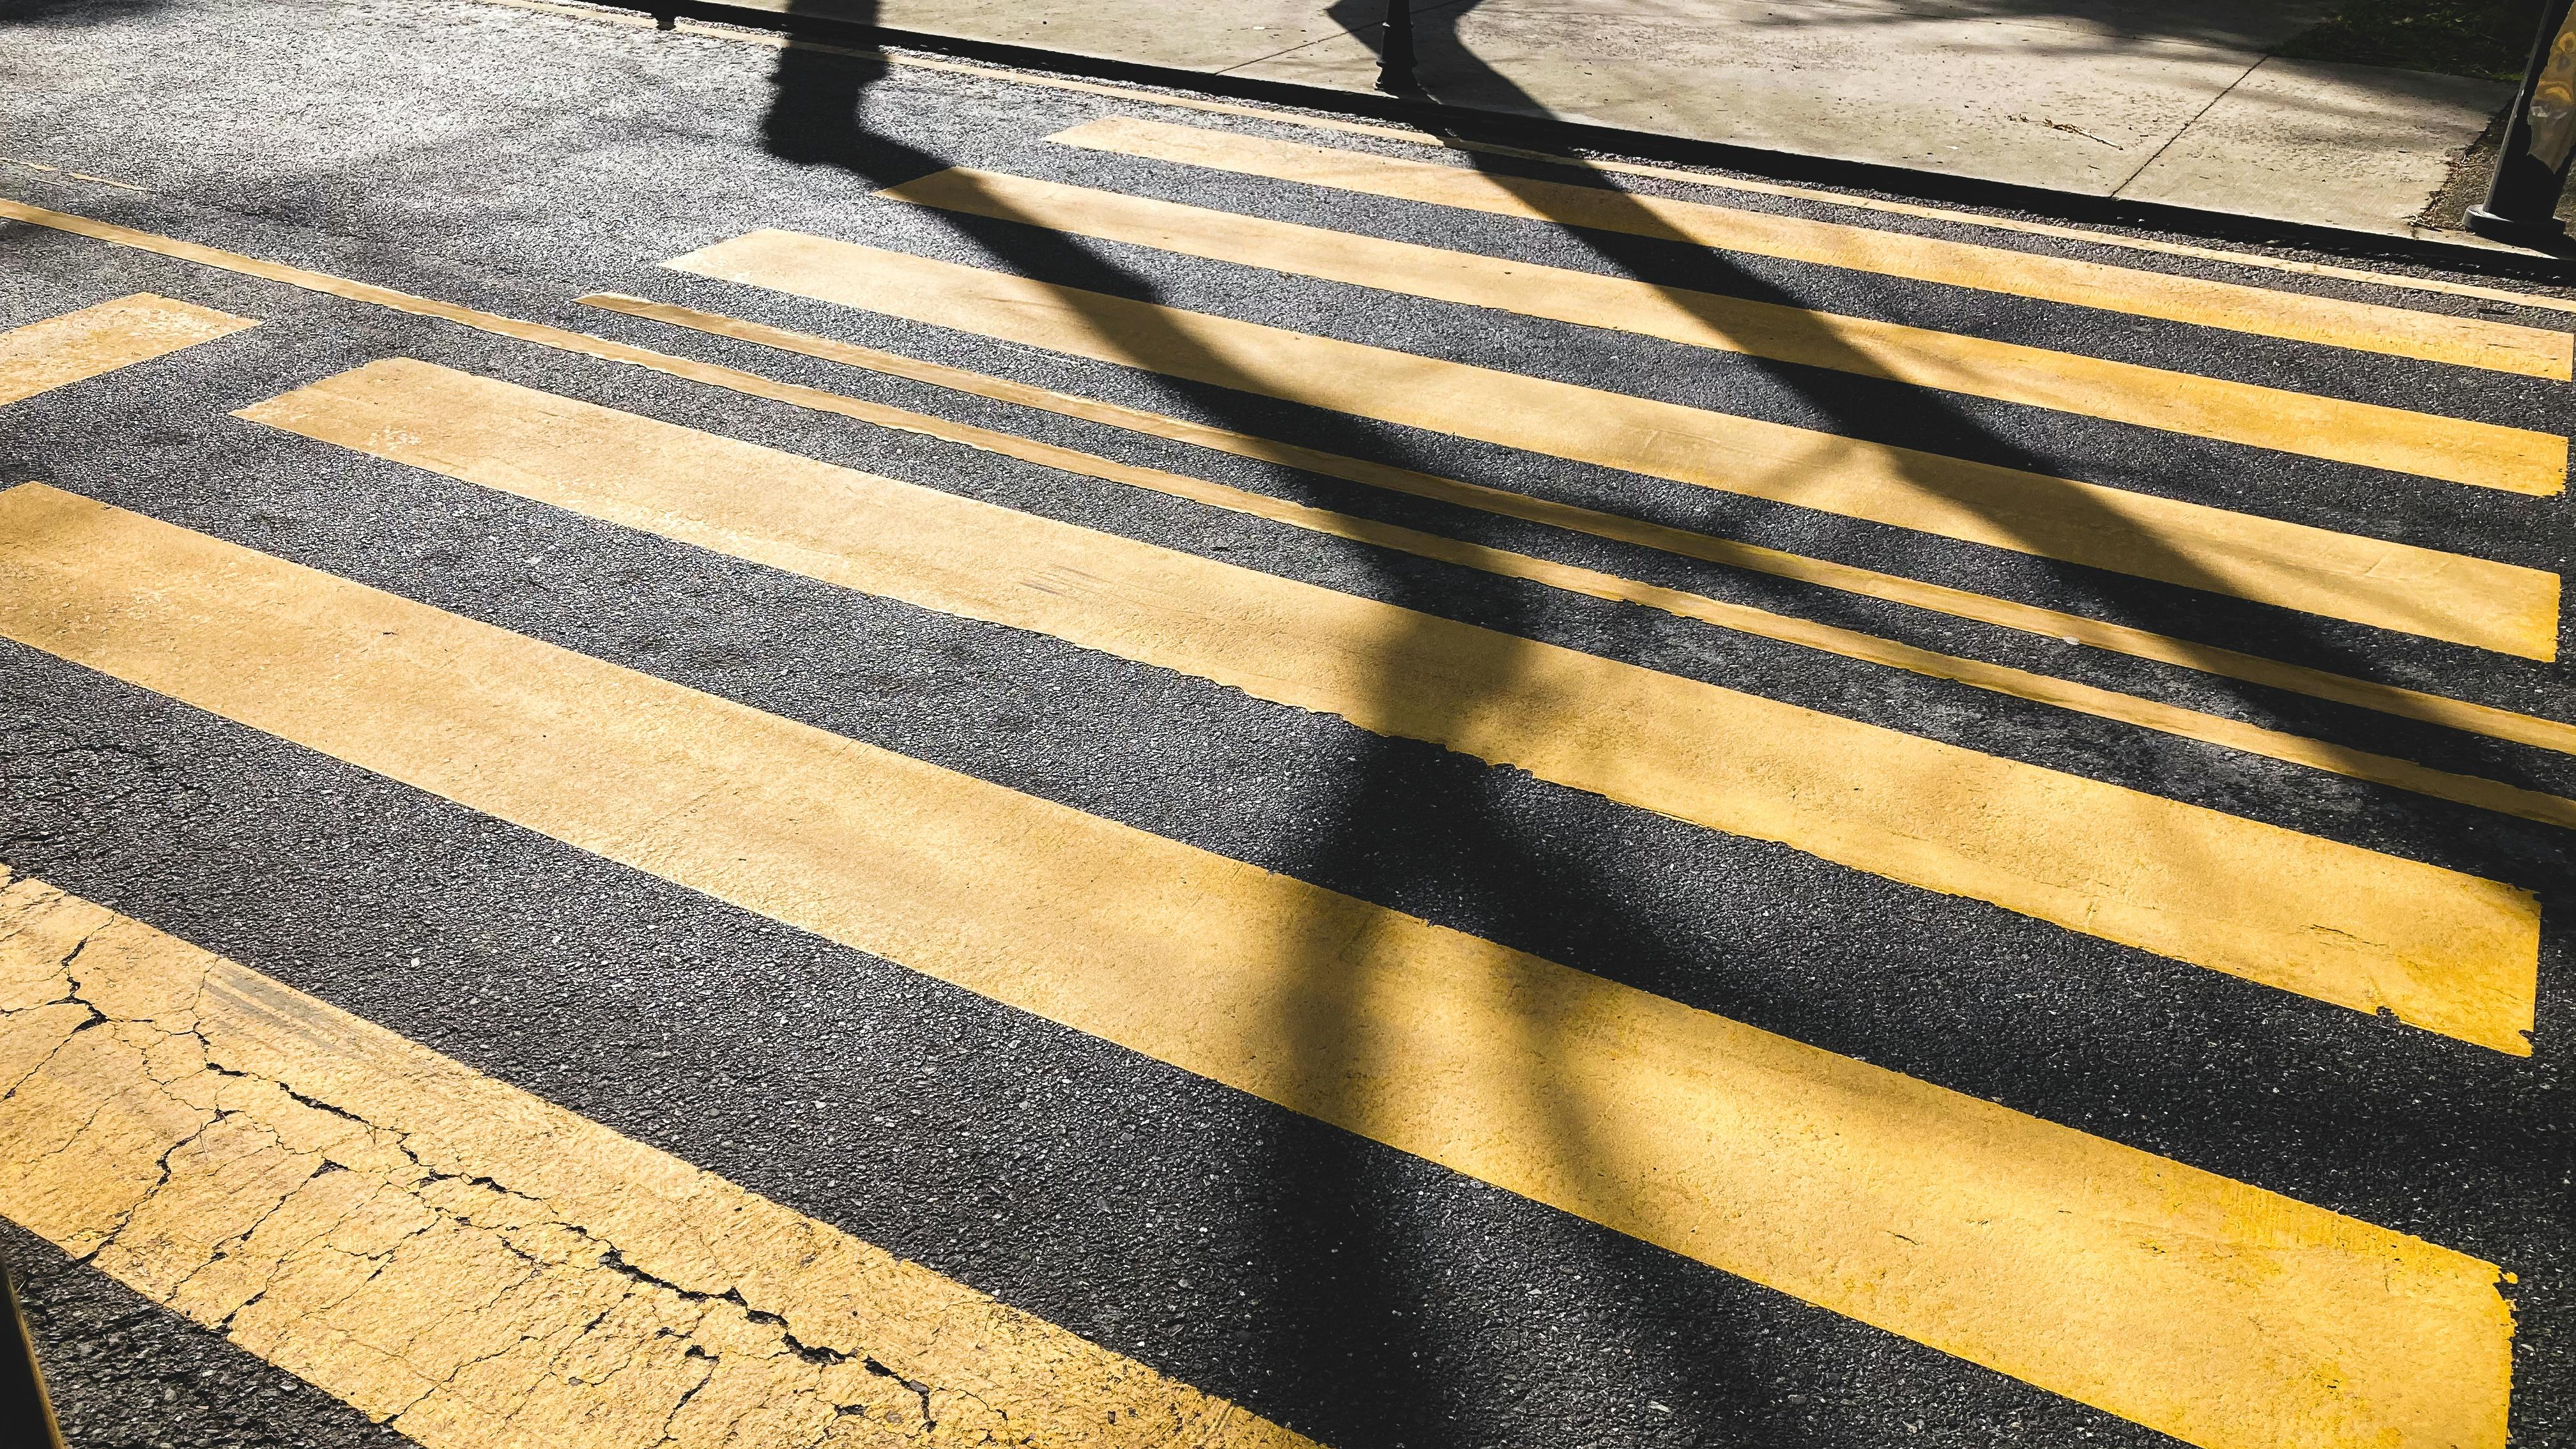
point(2062, 126)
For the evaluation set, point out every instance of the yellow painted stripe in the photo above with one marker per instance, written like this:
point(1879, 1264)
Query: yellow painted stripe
point(2459, 714)
point(2413, 704)
point(2444, 951)
point(2435, 709)
point(2550, 351)
point(42, 356)
point(2296, 316)
point(2230, 1317)
point(2371, 581)
point(2483, 455)
point(411, 412)
point(472, 1263)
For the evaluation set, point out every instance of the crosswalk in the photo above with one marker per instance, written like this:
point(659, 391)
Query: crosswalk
point(2213, 1310)
point(2457, 450)
point(2295, 316)
point(1957, 1223)
point(2441, 950)
point(2379, 582)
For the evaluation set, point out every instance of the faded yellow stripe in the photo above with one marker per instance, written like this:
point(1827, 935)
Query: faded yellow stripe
point(2296, 316)
point(2370, 581)
point(475, 1265)
point(42, 356)
point(2455, 450)
point(2445, 951)
point(2227, 1316)
point(2460, 714)
point(411, 412)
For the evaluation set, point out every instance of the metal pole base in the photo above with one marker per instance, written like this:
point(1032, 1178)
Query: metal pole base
point(2545, 233)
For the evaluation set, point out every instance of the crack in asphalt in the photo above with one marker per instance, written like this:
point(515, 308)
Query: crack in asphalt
point(292, 1226)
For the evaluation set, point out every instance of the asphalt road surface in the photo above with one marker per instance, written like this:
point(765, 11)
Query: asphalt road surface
point(1227, 778)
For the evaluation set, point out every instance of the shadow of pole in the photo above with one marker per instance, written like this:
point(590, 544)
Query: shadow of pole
point(1443, 63)
point(1840, 385)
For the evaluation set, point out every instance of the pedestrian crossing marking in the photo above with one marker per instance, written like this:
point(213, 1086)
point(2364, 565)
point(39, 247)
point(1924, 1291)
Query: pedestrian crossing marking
point(52, 353)
point(2292, 316)
point(2445, 951)
point(1885, 206)
point(458, 1257)
point(408, 412)
point(2056, 625)
point(2455, 450)
point(2211, 1310)
point(2414, 704)
point(2390, 585)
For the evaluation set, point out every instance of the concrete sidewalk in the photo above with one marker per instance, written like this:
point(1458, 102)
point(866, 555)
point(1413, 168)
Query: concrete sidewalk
point(2173, 101)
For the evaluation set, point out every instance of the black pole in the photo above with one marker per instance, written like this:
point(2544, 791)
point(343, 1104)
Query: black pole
point(25, 1417)
point(1395, 52)
point(2531, 167)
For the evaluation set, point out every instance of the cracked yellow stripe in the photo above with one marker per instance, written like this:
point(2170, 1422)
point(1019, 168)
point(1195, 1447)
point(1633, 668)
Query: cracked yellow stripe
point(474, 1265)
point(2052, 624)
point(42, 356)
point(2262, 311)
point(2371, 581)
point(2439, 949)
point(2456, 450)
point(2225, 1315)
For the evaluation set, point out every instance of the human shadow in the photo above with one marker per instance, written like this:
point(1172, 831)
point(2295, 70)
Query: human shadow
point(817, 116)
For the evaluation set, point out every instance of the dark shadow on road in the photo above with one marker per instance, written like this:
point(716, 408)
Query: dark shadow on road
point(1337, 1322)
point(817, 117)
point(71, 13)
point(1611, 232)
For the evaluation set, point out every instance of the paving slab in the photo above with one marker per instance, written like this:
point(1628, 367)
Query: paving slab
point(2313, 141)
point(2180, 103)
point(1204, 38)
point(2069, 101)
